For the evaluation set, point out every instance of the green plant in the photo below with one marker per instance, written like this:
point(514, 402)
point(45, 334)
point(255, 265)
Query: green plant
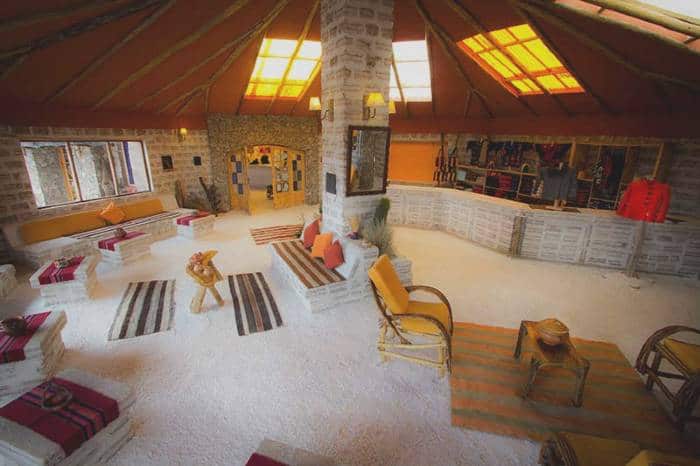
point(382, 210)
point(380, 235)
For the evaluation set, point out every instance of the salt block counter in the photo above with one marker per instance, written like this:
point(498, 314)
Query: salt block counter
point(589, 237)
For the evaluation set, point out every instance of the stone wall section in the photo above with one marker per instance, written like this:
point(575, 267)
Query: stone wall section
point(230, 132)
point(16, 197)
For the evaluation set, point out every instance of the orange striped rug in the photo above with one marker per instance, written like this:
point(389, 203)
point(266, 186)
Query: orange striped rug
point(486, 383)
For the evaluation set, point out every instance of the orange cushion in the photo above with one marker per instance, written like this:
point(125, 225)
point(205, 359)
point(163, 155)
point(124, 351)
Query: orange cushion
point(310, 234)
point(321, 242)
point(142, 208)
point(389, 285)
point(113, 214)
point(55, 227)
point(333, 255)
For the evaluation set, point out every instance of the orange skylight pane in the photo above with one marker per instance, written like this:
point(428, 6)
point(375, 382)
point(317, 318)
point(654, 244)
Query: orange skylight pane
point(473, 44)
point(525, 58)
point(522, 32)
point(496, 65)
point(502, 36)
point(543, 54)
point(550, 82)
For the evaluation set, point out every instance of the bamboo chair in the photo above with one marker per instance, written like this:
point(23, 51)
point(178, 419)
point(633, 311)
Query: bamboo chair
point(405, 321)
point(685, 358)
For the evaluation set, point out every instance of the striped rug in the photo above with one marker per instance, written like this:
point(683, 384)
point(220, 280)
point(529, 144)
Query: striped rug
point(310, 270)
point(279, 233)
point(146, 307)
point(253, 303)
point(486, 382)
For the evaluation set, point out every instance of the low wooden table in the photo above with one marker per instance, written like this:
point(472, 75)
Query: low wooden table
point(123, 250)
point(77, 286)
point(563, 355)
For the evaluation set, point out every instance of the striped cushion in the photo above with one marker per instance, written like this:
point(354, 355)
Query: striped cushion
point(310, 270)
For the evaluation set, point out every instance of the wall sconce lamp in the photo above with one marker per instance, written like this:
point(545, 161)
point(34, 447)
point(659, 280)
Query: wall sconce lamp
point(372, 101)
point(392, 107)
point(315, 106)
point(182, 134)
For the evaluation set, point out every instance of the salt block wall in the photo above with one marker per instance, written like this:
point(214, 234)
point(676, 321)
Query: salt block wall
point(17, 200)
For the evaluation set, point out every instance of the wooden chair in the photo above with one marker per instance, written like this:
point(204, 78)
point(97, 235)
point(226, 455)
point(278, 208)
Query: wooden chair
point(406, 324)
point(685, 358)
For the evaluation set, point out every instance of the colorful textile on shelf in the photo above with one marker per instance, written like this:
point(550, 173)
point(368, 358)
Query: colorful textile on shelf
point(54, 274)
point(267, 235)
point(188, 218)
point(256, 459)
point(253, 303)
point(146, 308)
point(311, 271)
point(109, 243)
point(12, 348)
point(87, 414)
point(645, 200)
point(486, 384)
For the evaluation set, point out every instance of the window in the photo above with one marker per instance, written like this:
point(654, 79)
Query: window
point(410, 75)
point(529, 55)
point(283, 71)
point(75, 171)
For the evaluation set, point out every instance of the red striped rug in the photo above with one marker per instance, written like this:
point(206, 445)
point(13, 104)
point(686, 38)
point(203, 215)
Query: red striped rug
point(486, 383)
point(279, 233)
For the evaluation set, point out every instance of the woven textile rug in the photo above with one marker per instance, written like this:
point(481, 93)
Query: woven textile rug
point(253, 303)
point(279, 233)
point(146, 307)
point(486, 383)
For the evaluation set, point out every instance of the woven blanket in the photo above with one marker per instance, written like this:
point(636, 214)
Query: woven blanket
point(279, 233)
point(310, 270)
point(146, 307)
point(253, 303)
point(12, 348)
point(71, 426)
point(109, 243)
point(53, 274)
point(131, 224)
point(186, 220)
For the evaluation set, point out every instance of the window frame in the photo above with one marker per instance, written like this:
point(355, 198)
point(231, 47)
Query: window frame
point(73, 172)
point(395, 71)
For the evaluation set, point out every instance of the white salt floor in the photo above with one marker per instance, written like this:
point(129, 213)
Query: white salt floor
point(208, 396)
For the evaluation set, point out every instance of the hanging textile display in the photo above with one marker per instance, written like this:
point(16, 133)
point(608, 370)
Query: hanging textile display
point(645, 200)
point(558, 183)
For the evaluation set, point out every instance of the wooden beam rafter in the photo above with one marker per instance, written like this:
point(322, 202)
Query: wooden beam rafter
point(172, 50)
point(446, 43)
point(12, 58)
point(302, 37)
point(58, 13)
point(428, 45)
point(103, 57)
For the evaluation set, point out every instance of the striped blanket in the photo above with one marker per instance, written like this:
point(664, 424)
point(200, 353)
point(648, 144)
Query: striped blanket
point(146, 307)
point(486, 383)
point(12, 348)
point(54, 274)
point(109, 243)
point(310, 270)
point(131, 224)
point(272, 234)
point(253, 303)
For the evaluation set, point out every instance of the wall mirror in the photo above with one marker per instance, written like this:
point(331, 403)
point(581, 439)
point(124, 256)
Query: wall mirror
point(367, 160)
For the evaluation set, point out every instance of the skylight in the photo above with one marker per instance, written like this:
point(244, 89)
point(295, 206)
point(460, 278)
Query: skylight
point(513, 53)
point(281, 72)
point(410, 75)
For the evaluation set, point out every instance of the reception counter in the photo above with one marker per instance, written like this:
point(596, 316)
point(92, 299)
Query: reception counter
point(588, 237)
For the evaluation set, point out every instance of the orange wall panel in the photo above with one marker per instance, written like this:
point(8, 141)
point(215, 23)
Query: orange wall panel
point(412, 161)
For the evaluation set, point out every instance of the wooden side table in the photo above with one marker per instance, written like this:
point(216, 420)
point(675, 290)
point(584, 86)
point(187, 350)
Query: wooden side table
point(563, 355)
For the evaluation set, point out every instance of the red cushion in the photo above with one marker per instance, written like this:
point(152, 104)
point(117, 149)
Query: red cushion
point(310, 234)
point(257, 459)
point(333, 255)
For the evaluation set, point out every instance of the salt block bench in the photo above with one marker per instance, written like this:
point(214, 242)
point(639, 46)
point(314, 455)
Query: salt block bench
point(134, 245)
point(320, 288)
point(8, 282)
point(194, 225)
point(73, 283)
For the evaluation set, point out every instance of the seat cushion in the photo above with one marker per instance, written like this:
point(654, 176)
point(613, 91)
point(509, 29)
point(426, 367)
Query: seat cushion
point(438, 311)
point(389, 285)
point(321, 242)
point(688, 353)
point(649, 457)
point(598, 451)
point(310, 233)
point(55, 227)
point(113, 214)
point(333, 255)
point(142, 209)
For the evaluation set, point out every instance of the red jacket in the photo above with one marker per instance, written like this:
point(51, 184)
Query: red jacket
point(645, 200)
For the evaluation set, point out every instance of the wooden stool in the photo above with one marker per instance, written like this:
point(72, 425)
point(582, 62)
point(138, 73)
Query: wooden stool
point(205, 282)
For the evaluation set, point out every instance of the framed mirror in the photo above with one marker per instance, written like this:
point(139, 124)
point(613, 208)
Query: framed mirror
point(367, 160)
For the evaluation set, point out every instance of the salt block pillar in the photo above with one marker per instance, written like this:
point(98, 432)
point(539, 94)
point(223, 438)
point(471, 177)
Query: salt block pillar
point(356, 37)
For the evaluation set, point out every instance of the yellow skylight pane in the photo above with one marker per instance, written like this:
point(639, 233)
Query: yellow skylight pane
point(568, 80)
point(310, 49)
point(525, 58)
point(272, 68)
point(522, 32)
point(522, 87)
point(550, 82)
point(483, 41)
point(291, 91)
point(263, 90)
point(280, 47)
point(417, 94)
point(496, 65)
point(473, 45)
point(543, 54)
point(502, 36)
point(507, 62)
point(301, 70)
point(531, 84)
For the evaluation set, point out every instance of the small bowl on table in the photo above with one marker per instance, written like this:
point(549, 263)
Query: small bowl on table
point(552, 332)
point(13, 326)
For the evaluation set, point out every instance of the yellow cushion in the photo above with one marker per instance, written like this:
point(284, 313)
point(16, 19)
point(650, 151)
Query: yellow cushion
point(389, 285)
point(55, 227)
point(142, 209)
point(688, 353)
point(113, 214)
point(438, 311)
point(649, 457)
point(597, 451)
point(321, 242)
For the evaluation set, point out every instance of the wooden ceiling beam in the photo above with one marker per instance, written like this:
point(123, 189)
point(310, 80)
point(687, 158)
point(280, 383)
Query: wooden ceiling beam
point(468, 17)
point(446, 44)
point(59, 13)
point(12, 58)
point(259, 29)
point(172, 50)
point(103, 57)
point(398, 85)
point(302, 37)
point(536, 8)
point(428, 45)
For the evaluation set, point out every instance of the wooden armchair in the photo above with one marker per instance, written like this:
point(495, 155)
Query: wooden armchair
point(685, 358)
point(410, 325)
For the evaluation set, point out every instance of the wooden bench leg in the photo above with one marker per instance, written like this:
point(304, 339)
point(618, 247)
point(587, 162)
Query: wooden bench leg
point(197, 300)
